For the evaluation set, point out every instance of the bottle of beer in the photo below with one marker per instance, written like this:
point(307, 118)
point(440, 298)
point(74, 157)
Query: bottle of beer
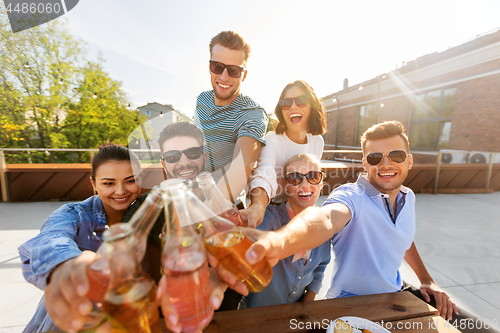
point(184, 260)
point(130, 301)
point(217, 202)
point(144, 219)
point(98, 272)
point(226, 242)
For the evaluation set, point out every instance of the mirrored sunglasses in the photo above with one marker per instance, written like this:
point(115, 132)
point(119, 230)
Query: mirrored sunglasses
point(313, 177)
point(397, 156)
point(173, 156)
point(300, 101)
point(232, 70)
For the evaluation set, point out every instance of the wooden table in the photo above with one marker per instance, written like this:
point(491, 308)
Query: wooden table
point(400, 312)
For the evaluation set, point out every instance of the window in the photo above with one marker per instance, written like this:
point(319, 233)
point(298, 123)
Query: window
point(148, 113)
point(367, 116)
point(431, 119)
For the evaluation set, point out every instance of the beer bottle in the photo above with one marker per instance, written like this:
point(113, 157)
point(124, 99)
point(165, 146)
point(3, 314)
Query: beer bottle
point(130, 301)
point(184, 260)
point(217, 202)
point(226, 242)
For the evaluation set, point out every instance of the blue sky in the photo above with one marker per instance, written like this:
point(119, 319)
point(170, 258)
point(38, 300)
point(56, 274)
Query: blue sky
point(159, 49)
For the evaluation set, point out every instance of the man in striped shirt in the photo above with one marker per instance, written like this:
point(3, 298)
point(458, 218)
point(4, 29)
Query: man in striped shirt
point(233, 124)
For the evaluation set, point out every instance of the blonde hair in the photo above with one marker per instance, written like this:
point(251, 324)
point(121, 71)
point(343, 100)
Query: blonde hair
point(302, 157)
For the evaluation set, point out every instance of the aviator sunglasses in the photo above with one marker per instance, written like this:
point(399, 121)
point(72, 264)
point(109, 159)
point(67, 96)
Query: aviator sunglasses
point(232, 70)
point(300, 101)
point(397, 156)
point(173, 156)
point(295, 178)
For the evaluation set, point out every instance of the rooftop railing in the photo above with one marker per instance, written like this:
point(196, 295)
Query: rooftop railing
point(152, 156)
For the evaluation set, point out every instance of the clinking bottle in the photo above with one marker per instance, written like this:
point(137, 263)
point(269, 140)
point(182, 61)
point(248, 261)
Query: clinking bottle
point(98, 272)
point(226, 242)
point(215, 200)
point(130, 302)
point(184, 261)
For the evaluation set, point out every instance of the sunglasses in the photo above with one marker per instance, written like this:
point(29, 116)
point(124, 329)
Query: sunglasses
point(173, 156)
point(397, 156)
point(295, 178)
point(300, 101)
point(232, 70)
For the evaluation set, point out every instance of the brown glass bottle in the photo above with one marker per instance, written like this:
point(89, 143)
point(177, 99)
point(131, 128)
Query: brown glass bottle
point(215, 200)
point(184, 261)
point(226, 242)
point(98, 272)
point(130, 301)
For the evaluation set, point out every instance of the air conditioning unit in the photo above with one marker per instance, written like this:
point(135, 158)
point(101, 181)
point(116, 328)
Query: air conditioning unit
point(479, 157)
point(496, 158)
point(454, 156)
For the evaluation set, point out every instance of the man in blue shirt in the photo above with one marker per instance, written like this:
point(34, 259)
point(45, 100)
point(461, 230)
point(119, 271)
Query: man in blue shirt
point(371, 224)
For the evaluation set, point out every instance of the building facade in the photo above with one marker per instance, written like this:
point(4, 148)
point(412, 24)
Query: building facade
point(447, 100)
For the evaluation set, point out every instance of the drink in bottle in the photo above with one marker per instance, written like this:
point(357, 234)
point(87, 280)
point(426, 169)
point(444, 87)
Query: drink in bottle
point(130, 301)
point(229, 247)
point(132, 307)
point(228, 244)
point(98, 271)
point(189, 289)
point(184, 261)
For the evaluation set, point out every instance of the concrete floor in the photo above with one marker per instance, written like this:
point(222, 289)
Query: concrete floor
point(457, 236)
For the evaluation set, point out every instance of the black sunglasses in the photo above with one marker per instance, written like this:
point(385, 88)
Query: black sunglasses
point(232, 70)
point(397, 156)
point(300, 101)
point(313, 177)
point(173, 156)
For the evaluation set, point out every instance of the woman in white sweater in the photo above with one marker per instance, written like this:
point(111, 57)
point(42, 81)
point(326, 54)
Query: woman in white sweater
point(301, 123)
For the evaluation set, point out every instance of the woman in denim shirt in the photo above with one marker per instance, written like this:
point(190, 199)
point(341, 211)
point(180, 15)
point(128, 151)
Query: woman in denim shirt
point(56, 259)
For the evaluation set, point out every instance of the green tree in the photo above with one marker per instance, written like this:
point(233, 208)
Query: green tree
point(100, 115)
point(52, 97)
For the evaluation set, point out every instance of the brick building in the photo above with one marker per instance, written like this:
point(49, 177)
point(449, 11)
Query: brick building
point(446, 100)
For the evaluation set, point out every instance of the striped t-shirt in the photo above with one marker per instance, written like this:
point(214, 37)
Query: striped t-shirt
point(222, 126)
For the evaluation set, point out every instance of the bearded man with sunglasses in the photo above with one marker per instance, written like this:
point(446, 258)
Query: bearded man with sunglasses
point(371, 224)
point(233, 124)
point(181, 146)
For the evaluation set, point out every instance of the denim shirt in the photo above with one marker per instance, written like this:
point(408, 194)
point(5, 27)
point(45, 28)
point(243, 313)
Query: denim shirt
point(290, 279)
point(71, 229)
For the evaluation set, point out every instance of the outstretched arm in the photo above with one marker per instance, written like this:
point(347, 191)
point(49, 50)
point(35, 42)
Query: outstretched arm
point(309, 229)
point(444, 305)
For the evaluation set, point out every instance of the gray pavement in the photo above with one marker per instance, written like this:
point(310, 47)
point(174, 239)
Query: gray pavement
point(457, 236)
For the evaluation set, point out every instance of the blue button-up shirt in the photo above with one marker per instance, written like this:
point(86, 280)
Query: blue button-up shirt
point(67, 232)
point(369, 250)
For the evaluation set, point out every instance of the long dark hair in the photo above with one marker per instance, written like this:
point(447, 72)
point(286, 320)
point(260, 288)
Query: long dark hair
point(317, 121)
point(112, 152)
